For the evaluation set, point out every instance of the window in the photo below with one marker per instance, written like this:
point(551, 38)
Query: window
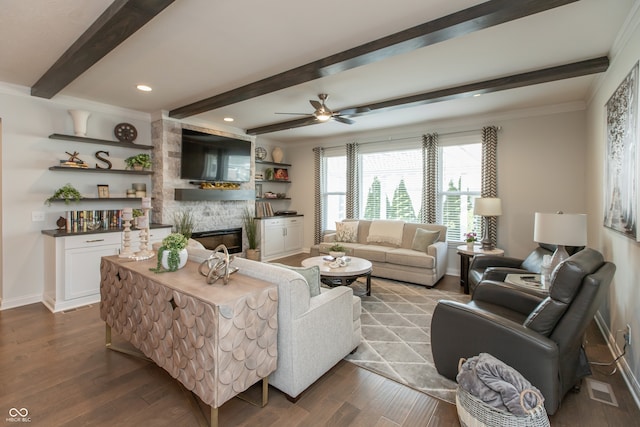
point(391, 184)
point(460, 183)
point(334, 189)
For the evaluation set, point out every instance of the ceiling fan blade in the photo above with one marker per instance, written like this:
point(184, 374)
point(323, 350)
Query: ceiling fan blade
point(343, 120)
point(315, 104)
point(351, 111)
point(296, 114)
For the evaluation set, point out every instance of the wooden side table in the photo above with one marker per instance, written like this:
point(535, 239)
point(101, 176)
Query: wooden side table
point(465, 259)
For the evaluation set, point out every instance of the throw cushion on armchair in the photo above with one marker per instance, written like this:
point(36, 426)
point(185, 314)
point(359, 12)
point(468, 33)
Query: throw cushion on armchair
point(310, 274)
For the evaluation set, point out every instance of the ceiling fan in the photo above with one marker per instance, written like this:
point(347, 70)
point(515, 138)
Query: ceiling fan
point(323, 113)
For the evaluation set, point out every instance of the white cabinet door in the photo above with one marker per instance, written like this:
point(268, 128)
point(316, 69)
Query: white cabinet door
point(280, 237)
point(272, 239)
point(293, 236)
point(82, 270)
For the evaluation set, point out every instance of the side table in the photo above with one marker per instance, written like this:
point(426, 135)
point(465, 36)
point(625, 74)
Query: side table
point(465, 259)
point(531, 282)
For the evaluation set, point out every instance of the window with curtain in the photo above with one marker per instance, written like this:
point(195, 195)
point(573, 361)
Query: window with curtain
point(334, 189)
point(460, 183)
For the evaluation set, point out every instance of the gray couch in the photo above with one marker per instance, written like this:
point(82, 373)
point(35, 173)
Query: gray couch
point(397, 262)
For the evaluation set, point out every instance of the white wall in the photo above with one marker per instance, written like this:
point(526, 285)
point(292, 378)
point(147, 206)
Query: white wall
point(27, 153)
point(624, 296)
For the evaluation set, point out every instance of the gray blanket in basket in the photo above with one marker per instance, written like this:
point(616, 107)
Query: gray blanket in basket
point(497, 384)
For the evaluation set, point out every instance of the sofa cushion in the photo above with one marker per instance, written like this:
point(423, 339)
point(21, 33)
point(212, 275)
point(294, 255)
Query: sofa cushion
point(372, 253)
point(386, 231)
point(410, 258)
point(347, 232)
point(423, 238)
point(310, 274)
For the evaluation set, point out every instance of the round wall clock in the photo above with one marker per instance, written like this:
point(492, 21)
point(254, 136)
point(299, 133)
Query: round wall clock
point(261, 153)
point(125, 132)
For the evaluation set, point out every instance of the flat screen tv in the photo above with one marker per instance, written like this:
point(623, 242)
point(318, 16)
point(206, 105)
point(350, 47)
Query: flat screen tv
point(208, 157)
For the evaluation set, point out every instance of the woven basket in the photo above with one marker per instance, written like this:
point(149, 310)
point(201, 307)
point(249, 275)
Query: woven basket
point(473, 412)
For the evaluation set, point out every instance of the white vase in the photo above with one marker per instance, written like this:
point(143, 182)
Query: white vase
point(183, 254)
point(277, 155)
point(80, 119)
point(470, 246)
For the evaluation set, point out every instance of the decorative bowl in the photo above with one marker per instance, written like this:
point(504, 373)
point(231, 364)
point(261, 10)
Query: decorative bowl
point(336, 254)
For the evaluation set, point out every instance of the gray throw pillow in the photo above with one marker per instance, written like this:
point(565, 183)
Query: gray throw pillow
point(310, 274)
point(423, 238)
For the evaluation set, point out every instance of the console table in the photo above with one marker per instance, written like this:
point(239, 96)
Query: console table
point(217, 340)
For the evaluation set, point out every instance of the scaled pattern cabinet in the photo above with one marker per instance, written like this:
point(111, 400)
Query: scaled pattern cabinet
point(72, 264)
point(280, 236)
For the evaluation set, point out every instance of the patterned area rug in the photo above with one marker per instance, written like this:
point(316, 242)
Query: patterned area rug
point(396, 340)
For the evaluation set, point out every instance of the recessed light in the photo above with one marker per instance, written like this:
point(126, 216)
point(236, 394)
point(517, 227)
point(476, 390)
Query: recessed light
point(144, 88)
point(477, 95)
point(228, 119)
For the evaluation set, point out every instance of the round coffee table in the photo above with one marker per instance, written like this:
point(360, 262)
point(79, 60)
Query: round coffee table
point(346, 275)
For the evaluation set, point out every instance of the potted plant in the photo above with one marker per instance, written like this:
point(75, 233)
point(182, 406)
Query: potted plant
point(470, 238)
point(172, 255)
point(337, 250)
point(251, 228)
point(183, 223)
point(139, 161)
point(66, 193)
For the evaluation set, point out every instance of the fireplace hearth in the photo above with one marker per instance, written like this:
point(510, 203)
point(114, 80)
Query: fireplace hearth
point(231, 238)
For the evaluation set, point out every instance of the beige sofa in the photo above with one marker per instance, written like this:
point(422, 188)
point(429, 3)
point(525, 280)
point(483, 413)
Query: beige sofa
point(396, 261)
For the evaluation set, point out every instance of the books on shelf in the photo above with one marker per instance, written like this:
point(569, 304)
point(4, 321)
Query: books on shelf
point(88, 220)
point(263, 209)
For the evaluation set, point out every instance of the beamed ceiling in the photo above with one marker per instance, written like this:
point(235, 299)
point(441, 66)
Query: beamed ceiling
point(396, 64)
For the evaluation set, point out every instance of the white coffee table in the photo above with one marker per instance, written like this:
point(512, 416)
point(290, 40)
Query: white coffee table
point(357, 267)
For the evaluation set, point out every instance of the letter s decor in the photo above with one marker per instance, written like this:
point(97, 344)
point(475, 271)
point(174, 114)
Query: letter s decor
point(109, 165)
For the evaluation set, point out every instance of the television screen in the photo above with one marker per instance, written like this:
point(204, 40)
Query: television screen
point(208, 157)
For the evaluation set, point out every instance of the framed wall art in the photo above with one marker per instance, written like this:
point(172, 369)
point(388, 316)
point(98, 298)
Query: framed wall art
point(622, 157)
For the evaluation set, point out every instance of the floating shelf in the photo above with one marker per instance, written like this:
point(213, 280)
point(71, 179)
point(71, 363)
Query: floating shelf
point(196, 194)
point(101, 199)
point(273, 180)
point(262, 162)
point(100, 141)
point(96, 170)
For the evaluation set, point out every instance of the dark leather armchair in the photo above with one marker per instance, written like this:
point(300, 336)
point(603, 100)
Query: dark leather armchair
point(541, 337)
point(493, 267)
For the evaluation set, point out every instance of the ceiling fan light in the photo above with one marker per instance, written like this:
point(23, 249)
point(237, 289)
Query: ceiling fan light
point(323, 116)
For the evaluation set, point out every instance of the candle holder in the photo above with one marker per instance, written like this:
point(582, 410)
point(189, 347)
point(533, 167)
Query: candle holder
point(126, 251)
point(144, 252)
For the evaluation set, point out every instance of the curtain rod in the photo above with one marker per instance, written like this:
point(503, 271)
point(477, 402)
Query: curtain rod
point(391, 139)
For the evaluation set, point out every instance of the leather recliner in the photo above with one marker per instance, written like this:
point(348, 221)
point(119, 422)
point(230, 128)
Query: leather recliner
point(541, 337)
point(494, 267)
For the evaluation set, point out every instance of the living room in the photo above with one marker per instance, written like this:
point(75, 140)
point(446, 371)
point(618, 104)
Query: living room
point(550, 158)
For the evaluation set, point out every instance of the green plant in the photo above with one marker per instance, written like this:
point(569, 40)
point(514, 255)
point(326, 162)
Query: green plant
point(137, 212)
point(66, 192)
point(173, 243)
point(336, 247)
point(183, 222)
point(471, 237)
point(251, 228)
point(141, 159)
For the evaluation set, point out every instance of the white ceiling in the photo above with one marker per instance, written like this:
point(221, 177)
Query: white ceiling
point(199, 48)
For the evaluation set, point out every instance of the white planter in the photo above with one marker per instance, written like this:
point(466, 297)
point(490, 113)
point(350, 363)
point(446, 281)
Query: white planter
point(470, 246)
point(336, 254)
point(80, 119)
point(184, 255)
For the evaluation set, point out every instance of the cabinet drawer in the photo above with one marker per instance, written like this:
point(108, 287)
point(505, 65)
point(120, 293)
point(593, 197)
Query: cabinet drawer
point(89, 240)
point(273, 222)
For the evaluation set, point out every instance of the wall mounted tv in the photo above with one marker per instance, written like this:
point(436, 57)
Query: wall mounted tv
point(209, 157)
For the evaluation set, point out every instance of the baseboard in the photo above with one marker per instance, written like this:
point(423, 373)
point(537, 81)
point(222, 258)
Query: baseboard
point(625, 370)
point(7, 303)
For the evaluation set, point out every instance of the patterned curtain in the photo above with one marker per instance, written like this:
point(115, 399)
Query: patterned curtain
point(318, 154)
point(353, 181)
point(490, 174)
point(429, 201)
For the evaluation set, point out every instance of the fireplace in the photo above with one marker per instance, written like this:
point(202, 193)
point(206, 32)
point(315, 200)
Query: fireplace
point(231, 238)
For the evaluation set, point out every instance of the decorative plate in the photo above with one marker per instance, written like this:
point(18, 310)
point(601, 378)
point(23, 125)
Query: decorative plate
point(125, 132)
point(261, 153)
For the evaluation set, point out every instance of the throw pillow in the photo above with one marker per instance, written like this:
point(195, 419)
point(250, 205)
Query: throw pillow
point(386, 231)
point(423, 238)
point(347, 232)
point(310, 274)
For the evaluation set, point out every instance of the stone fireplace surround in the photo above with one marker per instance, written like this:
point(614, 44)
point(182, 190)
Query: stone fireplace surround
point(166, 136)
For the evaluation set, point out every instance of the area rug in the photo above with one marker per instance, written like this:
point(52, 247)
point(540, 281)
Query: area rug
point(396, 340)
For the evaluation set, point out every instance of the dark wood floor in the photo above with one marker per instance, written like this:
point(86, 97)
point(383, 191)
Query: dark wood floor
point(56, 366)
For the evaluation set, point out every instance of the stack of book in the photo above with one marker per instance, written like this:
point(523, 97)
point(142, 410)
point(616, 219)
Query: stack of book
point(88, 220)
point(263, 209)
point(73, 164)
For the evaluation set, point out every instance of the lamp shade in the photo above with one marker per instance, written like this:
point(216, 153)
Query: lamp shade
point(487, 206)
point(560, 229)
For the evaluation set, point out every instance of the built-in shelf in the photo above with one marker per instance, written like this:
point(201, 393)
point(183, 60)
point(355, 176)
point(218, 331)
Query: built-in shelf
point(120, 171)
point(262, 162)
point(102, 199)
point(196, 194)
point(100, 141)
point(273, 180)
point(273, 198)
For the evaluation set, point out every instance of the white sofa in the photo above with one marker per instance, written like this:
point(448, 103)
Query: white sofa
point(396, 261)
point(314, 333)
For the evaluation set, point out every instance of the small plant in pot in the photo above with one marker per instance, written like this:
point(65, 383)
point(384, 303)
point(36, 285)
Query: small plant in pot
point(251, 228)
point(66, 193)
point(172, 255)
point(337, 250)
point(139, 161)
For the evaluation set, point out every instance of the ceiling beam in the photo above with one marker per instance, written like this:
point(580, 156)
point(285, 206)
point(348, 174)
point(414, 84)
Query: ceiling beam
point(119, 21)
point(466, 21)
point(575, 69)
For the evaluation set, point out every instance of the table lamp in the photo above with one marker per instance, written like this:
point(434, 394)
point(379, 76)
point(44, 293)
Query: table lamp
point(562, 230)
point(487, 207)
